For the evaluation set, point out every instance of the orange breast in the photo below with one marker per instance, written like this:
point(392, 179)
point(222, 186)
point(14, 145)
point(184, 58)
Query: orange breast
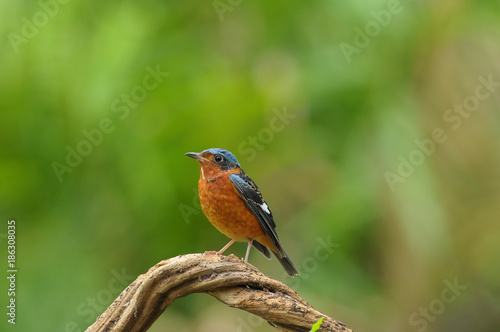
point(227, 212)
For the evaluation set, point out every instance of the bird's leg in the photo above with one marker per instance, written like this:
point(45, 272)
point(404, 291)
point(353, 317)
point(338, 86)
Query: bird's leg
point(220, 251)
point(225, 247)
point(248, 250)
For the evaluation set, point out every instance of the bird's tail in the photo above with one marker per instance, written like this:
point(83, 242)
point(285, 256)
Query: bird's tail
point(286, 263)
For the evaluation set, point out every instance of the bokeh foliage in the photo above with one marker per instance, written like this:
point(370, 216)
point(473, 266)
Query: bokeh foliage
point(232, 76)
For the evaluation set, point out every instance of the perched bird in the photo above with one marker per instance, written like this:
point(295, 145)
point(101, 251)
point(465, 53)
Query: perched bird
point(233, 203)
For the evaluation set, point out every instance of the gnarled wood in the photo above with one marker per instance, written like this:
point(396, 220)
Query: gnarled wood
point(227, 278)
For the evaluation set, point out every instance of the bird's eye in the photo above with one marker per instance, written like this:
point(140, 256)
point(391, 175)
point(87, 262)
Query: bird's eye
point(218, 158)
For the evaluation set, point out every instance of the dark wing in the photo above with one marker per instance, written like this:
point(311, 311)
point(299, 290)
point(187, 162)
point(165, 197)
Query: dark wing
point(252, 197)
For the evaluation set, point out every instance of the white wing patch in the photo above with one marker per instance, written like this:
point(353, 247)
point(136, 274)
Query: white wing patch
point(265, 208)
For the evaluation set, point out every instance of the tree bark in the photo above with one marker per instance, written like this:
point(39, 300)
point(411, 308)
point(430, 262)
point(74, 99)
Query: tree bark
point(227, 278)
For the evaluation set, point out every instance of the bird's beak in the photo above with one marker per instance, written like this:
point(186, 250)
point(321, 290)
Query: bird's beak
point(197, 156)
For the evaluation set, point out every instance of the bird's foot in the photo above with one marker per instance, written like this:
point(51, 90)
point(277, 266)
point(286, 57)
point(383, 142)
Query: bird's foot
point(212, 253)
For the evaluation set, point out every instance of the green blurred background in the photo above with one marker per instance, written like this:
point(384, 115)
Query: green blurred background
point(316, 129)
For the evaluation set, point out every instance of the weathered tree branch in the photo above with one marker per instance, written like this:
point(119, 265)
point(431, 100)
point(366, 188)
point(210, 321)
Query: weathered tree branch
point(227, 278)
